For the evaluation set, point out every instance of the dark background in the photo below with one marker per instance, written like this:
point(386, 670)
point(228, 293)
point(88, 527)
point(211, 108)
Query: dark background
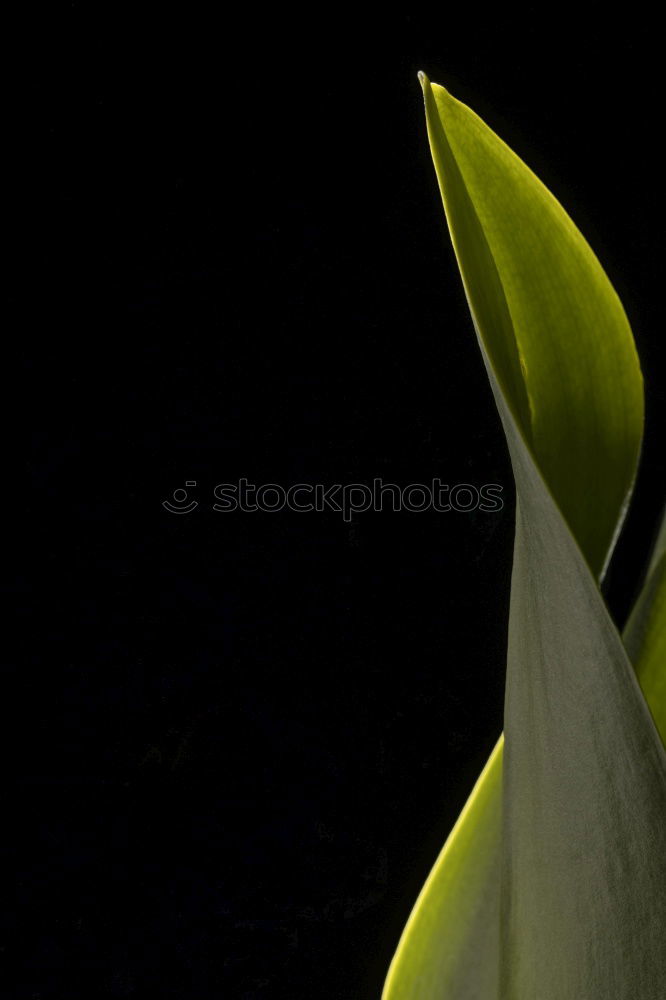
point(247, 735)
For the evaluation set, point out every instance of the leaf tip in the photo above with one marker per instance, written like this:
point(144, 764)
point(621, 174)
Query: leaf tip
point(423, 79)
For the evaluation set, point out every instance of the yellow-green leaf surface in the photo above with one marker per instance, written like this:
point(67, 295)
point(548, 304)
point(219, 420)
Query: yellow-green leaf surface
point(645, 633)
point(551, 885)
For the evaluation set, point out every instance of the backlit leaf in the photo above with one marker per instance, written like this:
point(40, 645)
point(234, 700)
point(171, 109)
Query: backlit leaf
point(551, 885)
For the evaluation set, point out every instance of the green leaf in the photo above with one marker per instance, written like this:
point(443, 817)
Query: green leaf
point(551, 884)
point(450, 945)
point(645, 633)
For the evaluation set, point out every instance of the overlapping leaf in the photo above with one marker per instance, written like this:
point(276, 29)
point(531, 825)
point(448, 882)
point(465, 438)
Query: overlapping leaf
point(645, 633)
point(551, 884)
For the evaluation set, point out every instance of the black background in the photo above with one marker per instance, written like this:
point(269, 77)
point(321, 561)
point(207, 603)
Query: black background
point(248, 734)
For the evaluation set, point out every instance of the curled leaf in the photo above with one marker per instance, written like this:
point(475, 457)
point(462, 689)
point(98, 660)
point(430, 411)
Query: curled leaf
point(561, 894)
